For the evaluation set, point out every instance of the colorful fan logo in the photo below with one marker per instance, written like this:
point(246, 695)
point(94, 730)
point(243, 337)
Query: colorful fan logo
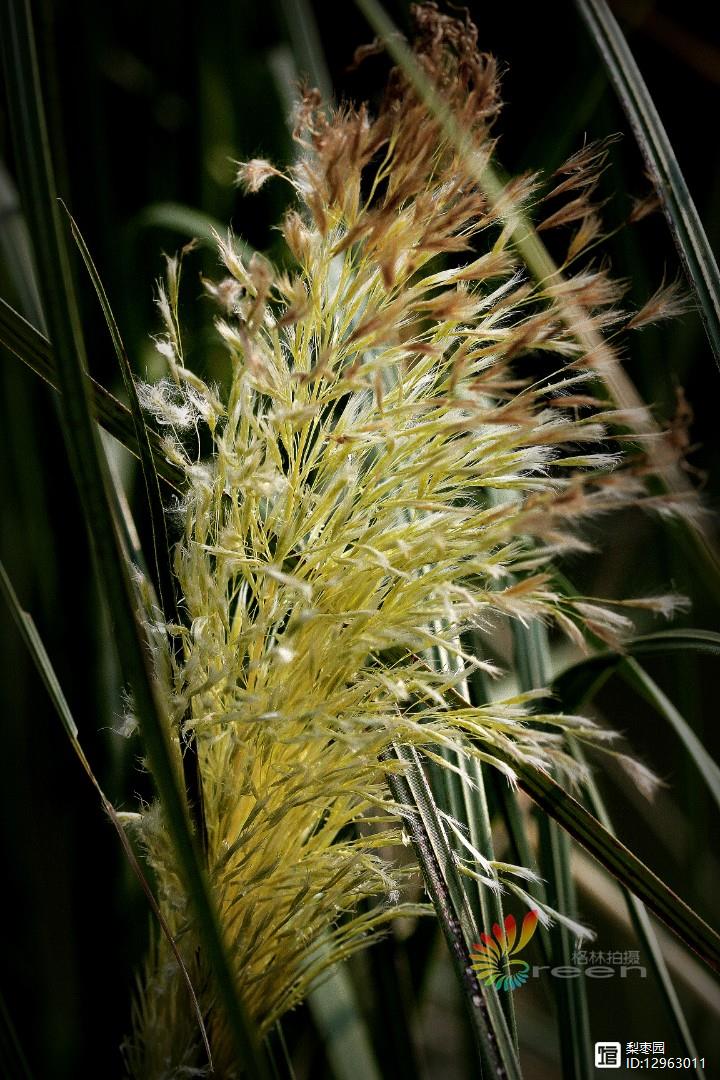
point(493, 960)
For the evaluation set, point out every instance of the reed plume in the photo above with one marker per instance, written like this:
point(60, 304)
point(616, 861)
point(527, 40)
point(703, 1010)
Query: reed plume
point(406, 442)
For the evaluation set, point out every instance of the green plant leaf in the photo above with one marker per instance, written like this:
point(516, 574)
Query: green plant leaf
point(638, 678)
point(580, 682)
point(38, 193)
point(618, 860)
point(516, 826)
point(34, 644)
point(610, 852)
point(689, 236)
point(625, 866)
point(678, 640)
point(185, 220)
point(531, 657)
point(161, 545)
point(643, 927)
point(335, 1009)
point(465, 798)
point(410, 789)
point(35, 647)
point(33, 348)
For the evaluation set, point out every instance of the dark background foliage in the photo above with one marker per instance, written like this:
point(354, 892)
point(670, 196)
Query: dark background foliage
point(148, 105)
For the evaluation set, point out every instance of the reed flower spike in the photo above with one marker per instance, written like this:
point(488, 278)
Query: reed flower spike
point(405, 444)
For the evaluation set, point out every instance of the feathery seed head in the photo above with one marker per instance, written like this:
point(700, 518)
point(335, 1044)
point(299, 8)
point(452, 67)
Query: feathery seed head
point(391, 465)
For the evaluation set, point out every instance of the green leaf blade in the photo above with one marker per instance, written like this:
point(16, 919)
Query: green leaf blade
point(89, 465)
point(531, 654)
point(30, 346)
point(690, 238)
point(161, 544)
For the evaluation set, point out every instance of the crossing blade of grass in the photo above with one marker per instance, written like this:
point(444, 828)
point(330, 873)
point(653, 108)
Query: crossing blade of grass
point(30, 346)
point(37, 188)
point(625, 866)
point(582, 681)
point(622, 863)
point(470, 806)
point(572, 1007)
point(477, 816)
point(280, 1035)
point(505, 801)
point(336, 1012)
point(532, 665)
point(437, 861)
point(466, 801)
point(643, 927)
point(161, 545)
point(34, 644)
point(699, 983)
point(701, 641)
point(689, 236)
point(636, 676)
point(523, 854)
point(572, 685)
point(463, 797)
point(132, 544)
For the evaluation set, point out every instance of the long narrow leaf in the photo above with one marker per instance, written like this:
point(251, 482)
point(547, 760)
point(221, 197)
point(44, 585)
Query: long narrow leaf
point(161, 545)
point(690, 238)
point(34, 644)
point(437, 862)
point(334, 1006)
point(190, 223)
point(638, 678)
point(517, 830)
point(28, 344)
point(513, 818)
point(572, 686)
point(37, 187)
point(618, 859)
point(610, 852)
point(477, 816)
point(580, 682)
point(679, 639)
point(644, 928)
point(464, 788)
point(307, 48)
point(532, 663)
